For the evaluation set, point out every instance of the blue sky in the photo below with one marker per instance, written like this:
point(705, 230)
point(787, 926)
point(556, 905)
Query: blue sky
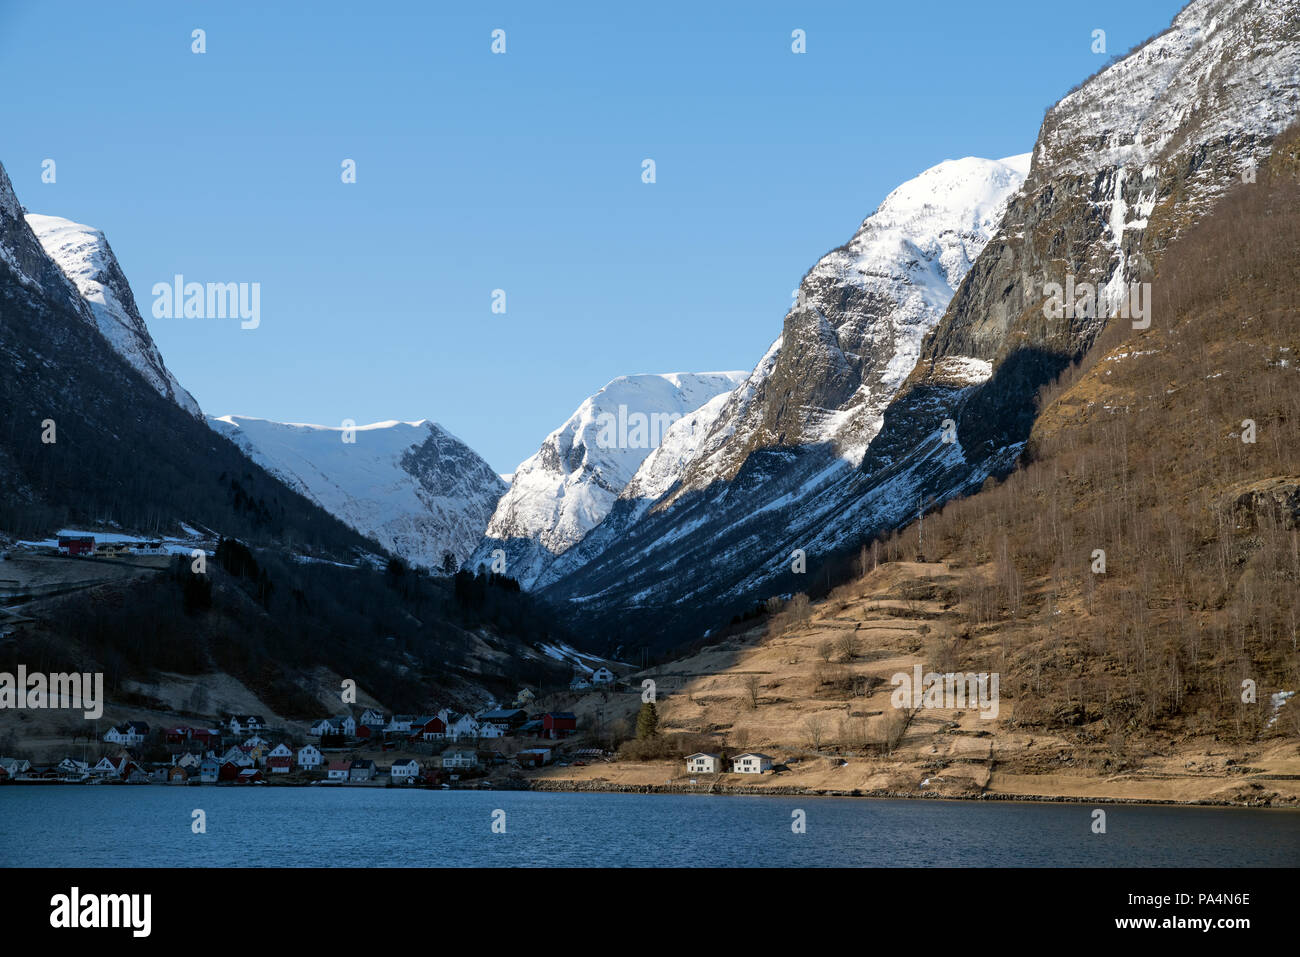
point(519, 172)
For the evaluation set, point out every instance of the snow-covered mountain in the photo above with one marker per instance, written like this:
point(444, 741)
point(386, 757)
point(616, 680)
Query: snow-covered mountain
point(855, 330)
point(85, 257)
point(563, 491)
point(1121, 164)
point(411, 486)
point(815, 400)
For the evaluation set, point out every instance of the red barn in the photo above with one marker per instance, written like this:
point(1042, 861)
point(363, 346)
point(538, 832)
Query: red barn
point(229, 771)
point(77, 544)
point(559, 724)
point(177, 735)
point(249, 776)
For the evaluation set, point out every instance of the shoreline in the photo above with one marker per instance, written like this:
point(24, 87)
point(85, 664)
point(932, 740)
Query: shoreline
point(569, 786)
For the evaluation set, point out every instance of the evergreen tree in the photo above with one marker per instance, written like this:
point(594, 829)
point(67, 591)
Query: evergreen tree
point(647, 721)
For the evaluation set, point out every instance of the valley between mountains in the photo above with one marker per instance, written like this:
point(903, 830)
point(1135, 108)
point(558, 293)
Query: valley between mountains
point(927, 466)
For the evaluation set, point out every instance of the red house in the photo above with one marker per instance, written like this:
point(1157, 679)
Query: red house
point(77, 544)
point(229, 771)
point(249, 776)
point(429, 731)
point(559, 724)
point(279, 764)
point(177, 735)
point(207, 736)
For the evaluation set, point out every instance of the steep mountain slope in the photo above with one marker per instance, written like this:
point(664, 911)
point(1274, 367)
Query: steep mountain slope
point(87, 260)
point(1121, 165)
point(800, 422)
point(563, 491)
point(120, 451)
point(411, 486)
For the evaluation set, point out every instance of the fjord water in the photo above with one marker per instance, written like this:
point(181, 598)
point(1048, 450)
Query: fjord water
point(150, 826)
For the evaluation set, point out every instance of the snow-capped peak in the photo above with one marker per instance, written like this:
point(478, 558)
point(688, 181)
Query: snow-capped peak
point(412, 486)
point(87, 260)
point(563, 491)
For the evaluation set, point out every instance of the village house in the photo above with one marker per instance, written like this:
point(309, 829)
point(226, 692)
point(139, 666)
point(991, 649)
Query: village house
point(309, 757)
point(491, 731)
point(229, 771)
point(238, 757)
point(602, 676)
point(461, 726)
point(460, 759)
point(256, 741)
point(249, 776)
point(406, 771)
point(579, 683)
point(178, 776)
point(751, 763)
point(245, 723)
point(338, 770)
point(208, 737)
point(372, 717)
point(128, 734)
point(16, 766)
point(209, 771)
point(429, 728)
point(280, 759)
point(533, 757)
point(525, 698)
point(702, 763)
point(77, 544)
point(559, 724)
point(188, 761)
point(399, 723)
point(507, 719)
point(72, 768)
point(361, 770)
point(105, 768)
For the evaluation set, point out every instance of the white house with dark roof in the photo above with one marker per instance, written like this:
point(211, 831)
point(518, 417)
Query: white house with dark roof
point(462, 726)
point(309, 757)
point(244, 723)
point(751, 762)
point(405, 771)
point(131, 733)
point(460, 759)
point(602, 676)
point(702, 763)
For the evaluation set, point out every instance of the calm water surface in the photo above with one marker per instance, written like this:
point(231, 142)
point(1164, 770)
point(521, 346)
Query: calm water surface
point(292, 827)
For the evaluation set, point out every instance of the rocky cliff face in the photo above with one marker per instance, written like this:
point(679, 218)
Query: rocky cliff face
point(85, 257)
point(1120, 166)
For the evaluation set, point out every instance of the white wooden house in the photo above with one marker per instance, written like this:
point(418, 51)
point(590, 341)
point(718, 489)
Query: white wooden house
point(751, 763)
point(129, 734)
point(372, 717)
point(309, 756)
point(460, 759)
point(405, 771)
point(702, 763)
point(602, 676)
point(245, 723)
point(463, 726)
